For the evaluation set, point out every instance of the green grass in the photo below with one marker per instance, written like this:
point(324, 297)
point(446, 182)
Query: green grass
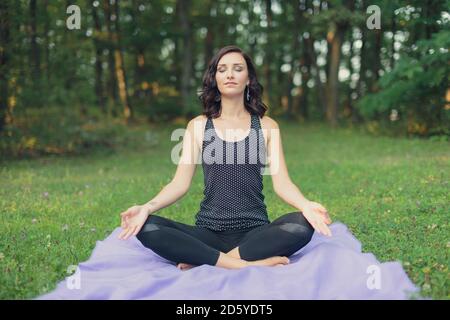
point(391, 193)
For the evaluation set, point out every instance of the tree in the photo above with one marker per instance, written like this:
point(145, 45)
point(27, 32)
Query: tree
point(4, 60)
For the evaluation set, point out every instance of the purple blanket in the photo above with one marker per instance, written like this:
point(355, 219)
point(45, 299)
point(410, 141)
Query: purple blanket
point(326, 268)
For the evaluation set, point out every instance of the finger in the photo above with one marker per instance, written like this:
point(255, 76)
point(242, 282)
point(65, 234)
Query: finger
point(326, 230)
point(316, 227)
point(122, 233)
point(327, 219)
point(130, 232)
point(136, 231)
point(127, 231)
point(133, 231)
point(320, 211)
point(329, 231)
point(323, 228)
point(313, 222)
point(126, 221)
point(319, 225)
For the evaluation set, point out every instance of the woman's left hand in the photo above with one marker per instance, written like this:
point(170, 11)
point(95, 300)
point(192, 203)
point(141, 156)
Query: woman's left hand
point(317, 216)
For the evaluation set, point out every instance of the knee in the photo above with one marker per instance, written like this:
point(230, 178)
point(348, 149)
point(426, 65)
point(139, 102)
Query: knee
point(147, 231)
point(297, 217)
point(154, 219)
point(296, 224)
point(300, 231)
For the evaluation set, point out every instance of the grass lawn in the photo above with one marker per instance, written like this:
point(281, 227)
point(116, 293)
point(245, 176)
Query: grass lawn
point(391, 193)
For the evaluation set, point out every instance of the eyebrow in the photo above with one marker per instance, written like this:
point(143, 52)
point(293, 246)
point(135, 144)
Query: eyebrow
point(235, 64)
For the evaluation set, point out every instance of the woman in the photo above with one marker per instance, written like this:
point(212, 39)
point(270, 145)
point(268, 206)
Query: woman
point(232, 229)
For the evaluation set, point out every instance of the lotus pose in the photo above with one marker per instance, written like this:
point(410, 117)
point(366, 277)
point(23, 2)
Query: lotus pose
point(236, 142)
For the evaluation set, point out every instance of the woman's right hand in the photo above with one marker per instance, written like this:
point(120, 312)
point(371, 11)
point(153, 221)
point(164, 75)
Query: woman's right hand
point(132, 221)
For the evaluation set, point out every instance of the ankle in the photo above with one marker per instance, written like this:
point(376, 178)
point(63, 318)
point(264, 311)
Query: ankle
point(250, 263)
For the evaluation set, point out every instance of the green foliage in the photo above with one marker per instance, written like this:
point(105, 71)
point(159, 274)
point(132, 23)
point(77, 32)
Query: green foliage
point(61, 131)
point(61, 68)
point(416, 87)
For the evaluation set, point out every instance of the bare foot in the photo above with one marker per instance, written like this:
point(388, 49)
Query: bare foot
point(270, 262)
point(184, 266)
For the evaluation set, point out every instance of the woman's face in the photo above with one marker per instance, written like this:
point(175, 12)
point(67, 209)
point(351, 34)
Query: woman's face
point(232, 74)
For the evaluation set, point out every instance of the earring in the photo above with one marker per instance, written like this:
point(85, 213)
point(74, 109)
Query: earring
point(217, 98)
point(248, 94)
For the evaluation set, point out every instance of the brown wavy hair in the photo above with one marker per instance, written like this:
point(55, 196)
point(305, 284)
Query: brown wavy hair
point(210, 94)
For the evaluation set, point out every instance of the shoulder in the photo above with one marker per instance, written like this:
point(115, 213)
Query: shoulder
point(196, 126)
point(198, 121)
point(268, 123)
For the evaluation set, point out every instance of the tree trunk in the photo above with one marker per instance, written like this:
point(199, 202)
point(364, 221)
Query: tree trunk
point(186, 75)
point(296, 103)
point(321, 93)
point(176, 66)
point(349, 110)
point(209, 41)
point(394, 30)
point(112, 80)
point(35, 56)
point(139, 74)
point(4, 60)
point(47, 42)
point(306, 75)
point(376, 64)
point(335, 38)
point(362, 81)
point(120, 68)
point(252, 35)
point(100, 97)
point(268, 55)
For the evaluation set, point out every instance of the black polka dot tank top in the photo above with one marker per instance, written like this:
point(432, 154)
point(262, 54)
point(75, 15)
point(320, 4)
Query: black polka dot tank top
point(232, 171)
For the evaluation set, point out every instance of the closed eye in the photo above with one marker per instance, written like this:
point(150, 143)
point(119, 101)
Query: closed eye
point(222, 70)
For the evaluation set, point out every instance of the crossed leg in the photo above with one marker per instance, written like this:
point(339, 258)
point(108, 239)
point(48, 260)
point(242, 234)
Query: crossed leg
point(179, 242)
point(282, 237)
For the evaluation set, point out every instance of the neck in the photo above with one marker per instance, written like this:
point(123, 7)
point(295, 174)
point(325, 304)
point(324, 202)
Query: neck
point(233, 107)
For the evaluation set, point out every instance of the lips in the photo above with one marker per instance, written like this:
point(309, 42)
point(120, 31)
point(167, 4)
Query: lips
point(230, 83)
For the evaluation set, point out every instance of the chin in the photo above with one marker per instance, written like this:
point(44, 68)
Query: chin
point(233, 90)
point(233, 94)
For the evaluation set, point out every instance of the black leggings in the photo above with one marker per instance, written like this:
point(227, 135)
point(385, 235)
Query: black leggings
point(179, 242)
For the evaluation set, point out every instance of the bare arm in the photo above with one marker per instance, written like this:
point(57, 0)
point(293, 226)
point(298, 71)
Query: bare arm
point(181, 182)
point(282, 183)
point(314, 212)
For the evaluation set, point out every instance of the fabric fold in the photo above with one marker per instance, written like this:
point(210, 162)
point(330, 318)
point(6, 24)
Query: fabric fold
point(326, 268)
